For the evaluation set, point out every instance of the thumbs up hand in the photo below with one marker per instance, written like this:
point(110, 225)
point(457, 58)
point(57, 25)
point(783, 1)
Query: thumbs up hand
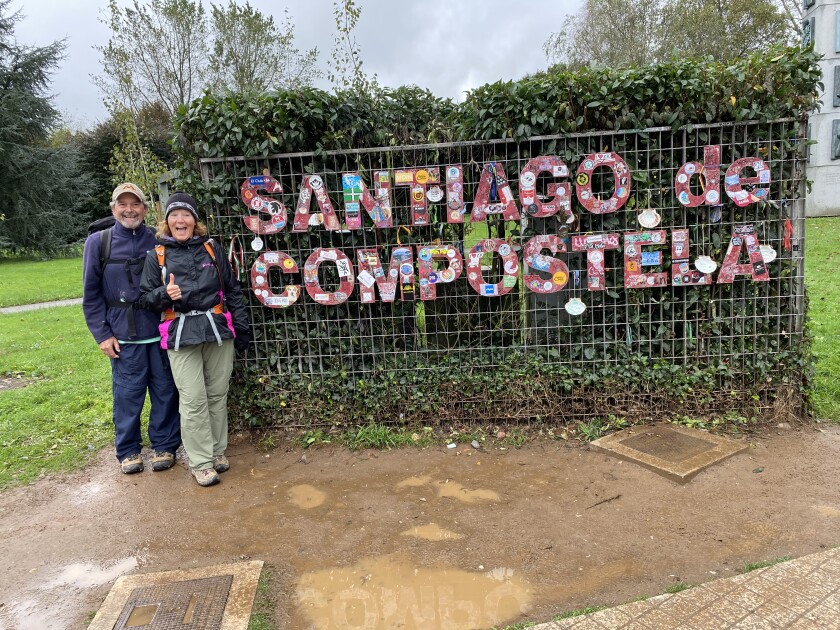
point(172, 289)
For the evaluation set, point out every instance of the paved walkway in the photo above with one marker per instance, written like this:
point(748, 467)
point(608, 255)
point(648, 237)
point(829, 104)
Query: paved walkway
point(31, 307)
point(798, 594)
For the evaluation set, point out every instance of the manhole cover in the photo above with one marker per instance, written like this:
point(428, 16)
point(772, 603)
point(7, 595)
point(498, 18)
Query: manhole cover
point(672, 451)
point(196, 604)
point(668, 444)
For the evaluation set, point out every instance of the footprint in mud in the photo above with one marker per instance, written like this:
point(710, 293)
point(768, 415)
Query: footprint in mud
point(432, 531)
point(414, 482)
point(306, 497)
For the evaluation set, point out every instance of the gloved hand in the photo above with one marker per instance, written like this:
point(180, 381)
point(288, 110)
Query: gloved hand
point(242, 341)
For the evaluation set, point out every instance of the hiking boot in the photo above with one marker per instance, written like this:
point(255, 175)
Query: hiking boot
point(162, 460)
point(220, 463)
point(132, 464)
point(205, 477)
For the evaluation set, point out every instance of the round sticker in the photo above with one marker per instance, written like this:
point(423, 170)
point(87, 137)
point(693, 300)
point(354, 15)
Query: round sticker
point(257, 244)
point(393, 273)
point(425, 254)
point(575, 306)
point(433, 277)
point(582, 179)
point(259, 280)
point(712, 196)
point(560, 278)
point(452, 173)
point(682, 178)
point(260, 267)
point(451, 253)
point(447, 275)
point(690, 168)
point(407, 269)
point(596, 256)
point(504, 249)
point(631, 250)
point(589, 165)
point(527, 179)
point(288, 263)
point(455, 215)
point(704, 264)
point(417, 193)
point(656, 237)
point(768, 253)
point(316, 182)
point(434, 194)
point(421, 176)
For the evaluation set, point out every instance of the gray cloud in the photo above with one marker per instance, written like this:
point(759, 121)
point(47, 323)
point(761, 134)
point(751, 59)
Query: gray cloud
point(445, 46)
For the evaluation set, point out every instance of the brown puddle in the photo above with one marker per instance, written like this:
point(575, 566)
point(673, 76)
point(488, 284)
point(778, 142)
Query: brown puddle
point(306, 497)
point(454, 490)
point(414, 482)
point(432, 531)
point(388, 592)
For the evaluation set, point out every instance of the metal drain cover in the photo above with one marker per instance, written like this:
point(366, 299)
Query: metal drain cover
point(670, 450)
point(210, 598)
point(197, 604)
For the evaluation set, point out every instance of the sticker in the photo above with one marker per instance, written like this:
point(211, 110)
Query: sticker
point(288, 263)
point(403, 177)
point(527, 179)
point(406, 269)
point(768, 253)
point(509, 281)
point(595, 256)
point(704, 264)
point(260, 267)
point(260, 280)
point(421, 176)
point(504, 249)
point(511, 266)
point(316, 182)
point(425, 254)
point(712, 196)
point(560, 278)
point(651, 259)
point(575, 306)
point(682, 178)
point(434, 194)
point(690, 169)
point(582, 180)
point(257, 244)
point(328, 254)
point(452, 172)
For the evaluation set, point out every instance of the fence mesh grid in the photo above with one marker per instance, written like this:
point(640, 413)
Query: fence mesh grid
point(740, 324)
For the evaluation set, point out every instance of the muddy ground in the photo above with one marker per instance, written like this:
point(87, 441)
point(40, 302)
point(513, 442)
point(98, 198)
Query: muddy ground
point(434, 538)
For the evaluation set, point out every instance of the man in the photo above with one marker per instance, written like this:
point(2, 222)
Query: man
point(113, 261)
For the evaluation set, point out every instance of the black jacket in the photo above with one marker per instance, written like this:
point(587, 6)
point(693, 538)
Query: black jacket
point(199, 280)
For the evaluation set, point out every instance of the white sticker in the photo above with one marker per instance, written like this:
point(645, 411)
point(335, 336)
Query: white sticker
point(259, 280)
point(527, 179)
point(596, 256)
point(712, 196)
point(316, 182)
point(257, 244)
point(434, 194)
point(366, 279)
point(271, 257)
point(504, 249)
point(328, 254)
point(768, 253)
point(649, 218)
point(682, 178)
point(322, 297)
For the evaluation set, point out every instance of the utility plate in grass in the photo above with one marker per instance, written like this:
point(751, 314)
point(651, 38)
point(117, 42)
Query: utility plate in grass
point(672, 451)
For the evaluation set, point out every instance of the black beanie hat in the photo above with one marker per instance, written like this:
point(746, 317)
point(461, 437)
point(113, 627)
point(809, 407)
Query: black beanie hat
point(180, 200)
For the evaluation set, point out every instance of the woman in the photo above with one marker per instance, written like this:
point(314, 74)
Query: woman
point(187, 278)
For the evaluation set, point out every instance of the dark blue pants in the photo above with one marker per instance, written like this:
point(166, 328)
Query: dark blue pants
point(141, 367)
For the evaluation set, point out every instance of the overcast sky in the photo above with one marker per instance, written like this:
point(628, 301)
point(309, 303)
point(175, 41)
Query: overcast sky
point(446, 46)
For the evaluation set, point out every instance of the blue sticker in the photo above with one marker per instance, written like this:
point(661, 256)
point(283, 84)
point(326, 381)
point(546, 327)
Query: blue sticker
point(407, 269)
point(732, 180)
point(684, 200)
point(433, 277)
point(259, 180)
point(489, 289)
point(425, 254)
point(651, 259)
point(577, 277)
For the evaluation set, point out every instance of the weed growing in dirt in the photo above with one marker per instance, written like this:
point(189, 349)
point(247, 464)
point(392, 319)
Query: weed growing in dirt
point(376, 436)
point(518, 626)
point(311, 438)
point(577, 613)
point(264, 605)
point(19, 276)
point(677, 588)
point(752, 566)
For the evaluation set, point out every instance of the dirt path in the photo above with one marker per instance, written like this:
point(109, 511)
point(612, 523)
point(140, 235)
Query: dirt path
point(435, 538)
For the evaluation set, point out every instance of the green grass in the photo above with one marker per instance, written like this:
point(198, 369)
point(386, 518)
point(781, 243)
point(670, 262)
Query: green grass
point(577, 613)
point(677, 588)
point(28, 281)
point(57, 422)
point(822, 256)
point(262, 613)
point(383, 437)
point(752, 566)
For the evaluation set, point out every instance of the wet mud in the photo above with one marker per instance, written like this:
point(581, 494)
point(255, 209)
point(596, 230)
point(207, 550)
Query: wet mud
point(435, 538)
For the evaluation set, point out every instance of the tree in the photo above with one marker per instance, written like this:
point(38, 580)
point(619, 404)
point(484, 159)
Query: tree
point(347, 72)
point(156, 53)
point(610, 33)
point(637, 32)
point(251, 52)
point(41, 186)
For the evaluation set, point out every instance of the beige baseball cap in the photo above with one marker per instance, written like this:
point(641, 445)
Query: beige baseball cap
point(128, 187)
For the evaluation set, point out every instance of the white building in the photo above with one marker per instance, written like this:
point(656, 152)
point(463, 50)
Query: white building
point(821, 23)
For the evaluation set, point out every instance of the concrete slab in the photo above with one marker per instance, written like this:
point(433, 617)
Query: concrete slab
point(140, 600)
point(675, 452)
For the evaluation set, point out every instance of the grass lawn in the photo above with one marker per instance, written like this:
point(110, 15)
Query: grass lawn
point(56, 423)
point(822, 256)
point(28, 281)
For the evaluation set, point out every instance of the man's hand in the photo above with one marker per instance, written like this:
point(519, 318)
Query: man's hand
point(172, 289)
point(111, 347)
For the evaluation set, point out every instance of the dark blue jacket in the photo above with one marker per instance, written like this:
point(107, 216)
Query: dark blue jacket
point(119, 284)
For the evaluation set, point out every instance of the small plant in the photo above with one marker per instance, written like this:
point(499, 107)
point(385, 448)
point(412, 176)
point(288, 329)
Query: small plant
point(310, 438)
point(591, 430)
point(264, 604)
point(752, 566)
point(678, 587)
point(577, 613)
point(268, 442)
point(373, 436)
point(516, 438)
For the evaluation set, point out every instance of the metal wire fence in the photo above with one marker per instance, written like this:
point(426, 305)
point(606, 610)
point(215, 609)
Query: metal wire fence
point(486, 275)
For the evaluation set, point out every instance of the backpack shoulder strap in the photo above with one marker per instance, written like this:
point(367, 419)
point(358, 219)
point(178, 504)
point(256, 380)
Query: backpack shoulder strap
point(105, 248)
point(208, 245)
point(160, 250)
